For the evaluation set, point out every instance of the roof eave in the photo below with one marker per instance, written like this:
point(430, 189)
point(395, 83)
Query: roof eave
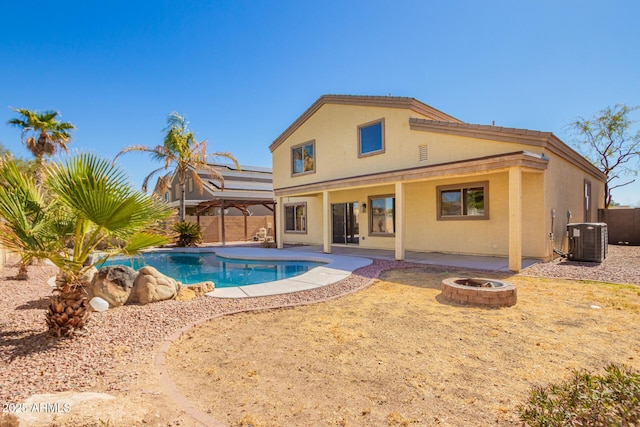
point(532, 162)
point(545, 140)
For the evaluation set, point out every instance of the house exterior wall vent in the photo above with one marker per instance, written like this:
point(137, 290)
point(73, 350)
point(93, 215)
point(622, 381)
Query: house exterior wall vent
point(423, 153)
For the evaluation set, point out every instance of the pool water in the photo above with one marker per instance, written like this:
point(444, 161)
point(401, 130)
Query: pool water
point(190, 268)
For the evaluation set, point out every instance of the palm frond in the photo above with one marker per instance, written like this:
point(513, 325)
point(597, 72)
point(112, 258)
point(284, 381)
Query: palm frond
point(23, 213)
point(18, 123)
point(142, 148)
point(175, 120)
point(143, 240)
point(211, 157)
point(163, 183)
point(145, 182)
point(198, 181)
point(214, 173)
point(98, 191)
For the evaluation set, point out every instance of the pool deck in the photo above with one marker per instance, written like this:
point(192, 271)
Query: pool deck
point(340, 264)
point(338, 267)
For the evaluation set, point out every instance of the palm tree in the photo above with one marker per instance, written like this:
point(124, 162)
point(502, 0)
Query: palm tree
point(22, 214)
point(181, 152)
point(91, 204)
point(47, 135)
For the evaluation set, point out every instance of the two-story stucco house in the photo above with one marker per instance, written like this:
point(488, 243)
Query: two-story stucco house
point(394, 173)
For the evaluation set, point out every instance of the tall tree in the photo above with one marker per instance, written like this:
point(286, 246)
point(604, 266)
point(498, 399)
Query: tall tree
point(43, 135)
point(91, 204)
point(183, 155)
point(609, 142)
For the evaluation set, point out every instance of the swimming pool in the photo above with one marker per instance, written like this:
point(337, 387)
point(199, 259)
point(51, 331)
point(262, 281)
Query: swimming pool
point(195, 267)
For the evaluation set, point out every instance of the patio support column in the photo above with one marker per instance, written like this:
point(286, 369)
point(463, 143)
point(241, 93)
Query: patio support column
point(515, 219)
point(399, 212)
point(278, 226)
point(326, 222)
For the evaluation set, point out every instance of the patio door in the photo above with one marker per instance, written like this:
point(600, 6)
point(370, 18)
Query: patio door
point(344, 223)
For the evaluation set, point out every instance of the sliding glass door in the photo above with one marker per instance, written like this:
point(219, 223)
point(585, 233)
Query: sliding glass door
point(345, 223)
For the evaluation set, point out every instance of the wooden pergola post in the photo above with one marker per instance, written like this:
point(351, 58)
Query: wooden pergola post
point(223, 239)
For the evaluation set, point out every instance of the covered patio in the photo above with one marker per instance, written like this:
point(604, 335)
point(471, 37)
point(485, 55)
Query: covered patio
point(510, 172)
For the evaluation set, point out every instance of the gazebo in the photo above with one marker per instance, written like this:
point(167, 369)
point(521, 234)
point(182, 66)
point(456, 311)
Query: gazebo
point(241, 205)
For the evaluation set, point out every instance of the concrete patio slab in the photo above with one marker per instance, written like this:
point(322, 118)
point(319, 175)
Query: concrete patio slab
point(434, 258)
point(337, 267)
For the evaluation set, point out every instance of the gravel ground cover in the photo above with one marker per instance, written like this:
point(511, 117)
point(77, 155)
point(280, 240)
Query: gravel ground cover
point(622, 265)
point(32, 362)
point(116, 352)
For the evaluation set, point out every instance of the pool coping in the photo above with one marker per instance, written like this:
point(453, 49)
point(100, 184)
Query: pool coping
point(337, 267)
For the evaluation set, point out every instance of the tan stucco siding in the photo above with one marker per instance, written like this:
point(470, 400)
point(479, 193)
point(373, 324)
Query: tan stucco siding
point(444, 148)
point(480, 237)
point(334, 129)
point(565, 192)
point(426, 232)
point(534, 234)
point(313, 235)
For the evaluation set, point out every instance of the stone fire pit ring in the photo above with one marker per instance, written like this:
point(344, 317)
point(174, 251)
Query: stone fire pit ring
point(479, 291)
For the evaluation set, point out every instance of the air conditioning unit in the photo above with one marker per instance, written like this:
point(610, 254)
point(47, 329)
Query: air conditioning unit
point(587, 241)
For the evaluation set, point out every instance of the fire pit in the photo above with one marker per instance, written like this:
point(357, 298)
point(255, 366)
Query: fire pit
point(479, 291)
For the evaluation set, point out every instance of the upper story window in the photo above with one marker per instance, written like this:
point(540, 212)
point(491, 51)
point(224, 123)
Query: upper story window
point(463, 201)
point(303, 158)
point(371, 138)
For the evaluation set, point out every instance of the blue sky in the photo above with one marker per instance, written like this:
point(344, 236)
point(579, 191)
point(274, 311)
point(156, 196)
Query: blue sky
point(242, 71)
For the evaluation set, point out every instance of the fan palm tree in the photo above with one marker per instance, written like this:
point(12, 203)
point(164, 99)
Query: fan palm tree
point(91, 204)
point(22, 214)
point(44, 135)
point(184, 155)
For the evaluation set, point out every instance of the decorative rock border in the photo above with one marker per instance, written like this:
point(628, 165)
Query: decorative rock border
point(498, 294)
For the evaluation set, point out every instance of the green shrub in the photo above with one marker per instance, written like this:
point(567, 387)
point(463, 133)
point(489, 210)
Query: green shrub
point(189, 233)
point(612, 399)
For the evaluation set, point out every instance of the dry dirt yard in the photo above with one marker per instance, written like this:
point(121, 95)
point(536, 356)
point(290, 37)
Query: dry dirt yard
point(396, 354)
point(391, 353)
